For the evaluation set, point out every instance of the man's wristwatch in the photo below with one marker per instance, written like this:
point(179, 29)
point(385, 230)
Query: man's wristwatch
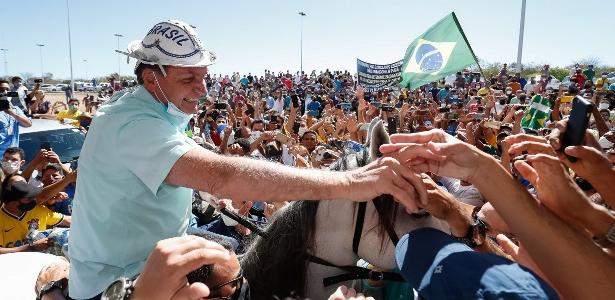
point(477, 231)
point(120, 289)
point(61, 284)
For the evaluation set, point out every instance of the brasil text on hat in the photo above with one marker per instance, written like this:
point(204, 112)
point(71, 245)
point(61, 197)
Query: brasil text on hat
point(440, 267)
point(172, 43)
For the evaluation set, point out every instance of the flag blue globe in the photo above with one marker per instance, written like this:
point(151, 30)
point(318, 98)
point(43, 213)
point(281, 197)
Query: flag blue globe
point(428, 58)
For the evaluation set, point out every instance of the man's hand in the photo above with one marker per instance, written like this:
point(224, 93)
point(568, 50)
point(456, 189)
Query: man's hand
point(228, 130)
point(446, 155)
point(344, 293)
point(386, 176)
point(42, 244)
point(52, 157)
point(590, 163)
point(164, 275)
point(59, 197)
point(555, 188)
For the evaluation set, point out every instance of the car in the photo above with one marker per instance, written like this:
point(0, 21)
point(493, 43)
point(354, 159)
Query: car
point(64, 140)
point(48, 88)
point(61, 86)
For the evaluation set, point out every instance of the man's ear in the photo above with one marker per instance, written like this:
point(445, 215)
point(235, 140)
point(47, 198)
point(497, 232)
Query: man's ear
point(148, 77)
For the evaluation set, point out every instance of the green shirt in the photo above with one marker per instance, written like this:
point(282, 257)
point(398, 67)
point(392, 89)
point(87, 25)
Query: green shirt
point(122, 205)
point(589, 74)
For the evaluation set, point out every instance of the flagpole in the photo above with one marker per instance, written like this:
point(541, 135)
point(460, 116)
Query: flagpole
point(469, 46)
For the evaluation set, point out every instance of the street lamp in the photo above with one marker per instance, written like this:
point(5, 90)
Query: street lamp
point(70, 51)
point(6, 69)
point(40, 48)
point(85, 62)
point(302, 14)
point(118, 55)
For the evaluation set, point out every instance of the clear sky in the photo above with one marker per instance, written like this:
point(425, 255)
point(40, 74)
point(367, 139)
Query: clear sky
point(251, 36)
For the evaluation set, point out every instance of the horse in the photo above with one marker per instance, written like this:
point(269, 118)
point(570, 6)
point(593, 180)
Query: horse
point(283, 264)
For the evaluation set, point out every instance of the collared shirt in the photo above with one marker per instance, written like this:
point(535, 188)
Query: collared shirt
point(15, 228)
point(9, 130)
point(122, 205)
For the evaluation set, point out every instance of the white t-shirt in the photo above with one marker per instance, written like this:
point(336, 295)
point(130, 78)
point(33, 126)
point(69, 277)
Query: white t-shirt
point(20, 271)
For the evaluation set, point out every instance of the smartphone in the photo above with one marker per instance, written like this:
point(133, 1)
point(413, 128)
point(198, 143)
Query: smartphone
point(387, 108)
point(577, 124)
point(377, 104)
point(296, 127)
point(280, 137)
point(566, 99)
point(219, 105)
point(521, 107)
point(392, 125)
point(444, 109)
point(295, 100)
point(478, 116)
point(346, 106)
point(46, 146)
point(38, 80)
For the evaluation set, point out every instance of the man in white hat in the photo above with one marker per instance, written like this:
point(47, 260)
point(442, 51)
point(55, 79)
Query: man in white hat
point(137, 168)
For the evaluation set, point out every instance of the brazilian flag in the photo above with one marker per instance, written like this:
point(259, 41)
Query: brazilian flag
point(442, 50)
point(536, 113)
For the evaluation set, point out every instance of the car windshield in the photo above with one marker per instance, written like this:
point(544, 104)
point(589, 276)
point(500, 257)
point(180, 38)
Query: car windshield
point(66, 143)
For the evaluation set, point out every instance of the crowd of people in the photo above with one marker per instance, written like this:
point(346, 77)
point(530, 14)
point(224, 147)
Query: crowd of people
point(490, 152)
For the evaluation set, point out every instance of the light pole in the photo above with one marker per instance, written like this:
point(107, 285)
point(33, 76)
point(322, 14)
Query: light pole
point(118, 56)
point(85, 63)
point(521, 28)
point(6, 68)
point(302, 14)
point(70, 51)
point(40, 48)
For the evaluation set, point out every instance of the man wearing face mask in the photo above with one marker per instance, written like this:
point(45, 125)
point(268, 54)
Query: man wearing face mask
point(12, 160)
point(20, 213)
point(138, 166)
point(69, 116)
point(10, 121)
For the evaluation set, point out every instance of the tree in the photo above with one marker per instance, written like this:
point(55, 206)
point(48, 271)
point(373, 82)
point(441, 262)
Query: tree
point(25, 75)
point(47, 76)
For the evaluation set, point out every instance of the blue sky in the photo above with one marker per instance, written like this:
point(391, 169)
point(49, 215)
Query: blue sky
point(251, 36)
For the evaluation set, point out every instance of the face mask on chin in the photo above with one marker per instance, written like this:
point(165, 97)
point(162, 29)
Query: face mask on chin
point(172, 109)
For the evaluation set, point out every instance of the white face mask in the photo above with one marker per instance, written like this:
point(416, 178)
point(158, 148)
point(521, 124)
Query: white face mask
point(603, 105)
point(604, 143)
point(10, 167)
point(171, 108)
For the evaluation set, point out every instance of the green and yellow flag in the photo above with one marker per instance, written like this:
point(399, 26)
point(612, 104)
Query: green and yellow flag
point(536, 113)
point(442, 50)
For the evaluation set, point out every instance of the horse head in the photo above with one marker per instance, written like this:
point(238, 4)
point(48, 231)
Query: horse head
point(280, 265)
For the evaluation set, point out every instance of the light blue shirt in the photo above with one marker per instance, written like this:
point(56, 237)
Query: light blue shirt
point(9, 130)
point(122, 206)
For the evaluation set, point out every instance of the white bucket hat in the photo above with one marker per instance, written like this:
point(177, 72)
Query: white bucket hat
point(173, 43)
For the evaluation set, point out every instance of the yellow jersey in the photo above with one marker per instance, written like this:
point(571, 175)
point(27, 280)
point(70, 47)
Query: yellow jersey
point(72, 116)
point(13, 229)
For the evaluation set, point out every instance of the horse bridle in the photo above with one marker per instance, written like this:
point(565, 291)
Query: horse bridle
point(355, 272)
point(352, 272)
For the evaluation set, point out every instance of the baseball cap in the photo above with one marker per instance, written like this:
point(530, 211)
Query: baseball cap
point(440, 267)
point(19, 189)
point(173, 43)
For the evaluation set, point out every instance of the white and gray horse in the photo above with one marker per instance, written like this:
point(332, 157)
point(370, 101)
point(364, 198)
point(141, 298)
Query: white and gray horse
point(279, 266)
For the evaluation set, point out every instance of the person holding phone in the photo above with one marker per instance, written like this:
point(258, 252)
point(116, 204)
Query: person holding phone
point(11, 119)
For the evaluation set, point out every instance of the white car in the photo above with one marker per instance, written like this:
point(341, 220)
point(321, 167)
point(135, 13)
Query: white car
point(48, 88)
point(553, 83)
point(61, 86)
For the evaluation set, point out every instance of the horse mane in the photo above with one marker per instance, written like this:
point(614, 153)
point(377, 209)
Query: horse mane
point(279, 267)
